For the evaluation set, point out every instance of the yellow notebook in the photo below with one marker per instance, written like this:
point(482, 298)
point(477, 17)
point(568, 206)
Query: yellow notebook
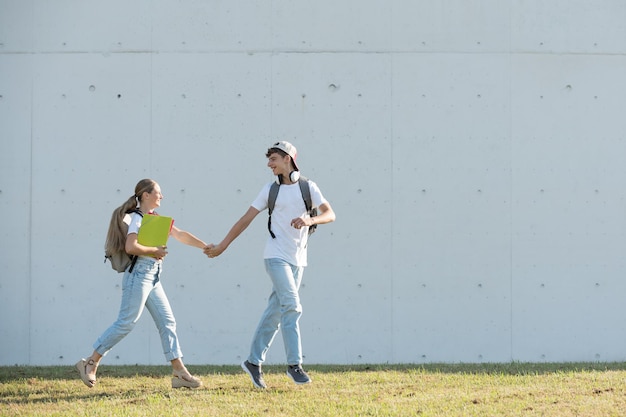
point(154, 230)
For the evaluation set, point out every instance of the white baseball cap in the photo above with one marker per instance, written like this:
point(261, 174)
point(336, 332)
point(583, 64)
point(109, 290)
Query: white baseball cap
point(289, 149)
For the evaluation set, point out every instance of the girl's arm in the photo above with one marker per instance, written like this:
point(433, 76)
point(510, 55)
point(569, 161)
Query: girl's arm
point(187, 238)
point(135, 248)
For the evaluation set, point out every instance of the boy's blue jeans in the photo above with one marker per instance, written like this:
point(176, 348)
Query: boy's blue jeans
point(283, 312)
point(142, 288)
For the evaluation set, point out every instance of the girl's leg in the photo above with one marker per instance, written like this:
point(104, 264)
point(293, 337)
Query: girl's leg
point(182, 377)
point(92, 365)
point(159, 307)
point(136, 288)
point(87, 369)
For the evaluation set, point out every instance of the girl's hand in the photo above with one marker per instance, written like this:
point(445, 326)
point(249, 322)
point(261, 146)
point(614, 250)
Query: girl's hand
point(160, 252)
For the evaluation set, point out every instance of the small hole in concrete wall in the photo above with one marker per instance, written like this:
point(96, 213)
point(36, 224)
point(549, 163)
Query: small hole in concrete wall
point(92, 88)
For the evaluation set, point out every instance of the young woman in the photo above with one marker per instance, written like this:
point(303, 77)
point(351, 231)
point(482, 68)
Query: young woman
point(142, 287)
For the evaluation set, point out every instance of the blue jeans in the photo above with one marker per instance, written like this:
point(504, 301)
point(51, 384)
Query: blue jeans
point(283, 312)
point(142, 288)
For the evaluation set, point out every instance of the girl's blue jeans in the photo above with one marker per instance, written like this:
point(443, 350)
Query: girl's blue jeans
point(142, 288)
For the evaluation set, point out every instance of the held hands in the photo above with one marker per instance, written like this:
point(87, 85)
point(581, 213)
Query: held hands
point(212, 250)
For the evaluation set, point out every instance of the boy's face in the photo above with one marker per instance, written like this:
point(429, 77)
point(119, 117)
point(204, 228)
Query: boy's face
point(280, 165)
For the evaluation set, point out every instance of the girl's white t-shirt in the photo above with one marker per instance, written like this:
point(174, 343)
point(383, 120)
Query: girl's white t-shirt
point(290, 243)
point(135, 223)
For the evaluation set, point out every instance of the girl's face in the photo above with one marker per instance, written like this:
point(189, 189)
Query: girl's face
point(153, 199)
point(280, 165)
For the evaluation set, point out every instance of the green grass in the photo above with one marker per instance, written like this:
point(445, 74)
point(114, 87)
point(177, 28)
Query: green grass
point(514, 389)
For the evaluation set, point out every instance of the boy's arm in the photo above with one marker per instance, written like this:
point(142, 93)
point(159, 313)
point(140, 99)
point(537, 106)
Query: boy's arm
point(326, 215)
point(215, 250)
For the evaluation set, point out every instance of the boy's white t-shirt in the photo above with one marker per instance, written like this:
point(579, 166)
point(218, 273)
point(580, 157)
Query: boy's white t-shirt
point(290, 243)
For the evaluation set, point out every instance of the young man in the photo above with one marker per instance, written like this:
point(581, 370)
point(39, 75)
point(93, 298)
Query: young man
point(285, 257)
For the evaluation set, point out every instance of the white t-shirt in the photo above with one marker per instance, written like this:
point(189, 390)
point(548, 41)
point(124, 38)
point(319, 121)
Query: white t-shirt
point(290, 243)
point(134, 222)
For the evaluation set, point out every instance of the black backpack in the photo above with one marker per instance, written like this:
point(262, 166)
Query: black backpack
point(306, 196)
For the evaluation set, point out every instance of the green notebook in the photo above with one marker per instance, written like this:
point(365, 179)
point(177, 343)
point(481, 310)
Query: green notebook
point(154, 230)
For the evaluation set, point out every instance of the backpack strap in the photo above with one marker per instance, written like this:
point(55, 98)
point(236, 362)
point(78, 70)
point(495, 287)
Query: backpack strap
point(134, 257)
point(306, 193)
point(308, 203)
point(271, 201)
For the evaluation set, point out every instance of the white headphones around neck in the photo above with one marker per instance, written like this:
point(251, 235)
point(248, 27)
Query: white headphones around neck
point(294, 176)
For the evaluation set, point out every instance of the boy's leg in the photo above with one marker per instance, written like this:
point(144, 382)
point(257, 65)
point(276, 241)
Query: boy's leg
point(266, 331)
point(286, 279)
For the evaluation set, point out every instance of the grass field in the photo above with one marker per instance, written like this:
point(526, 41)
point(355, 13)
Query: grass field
point(515, 389)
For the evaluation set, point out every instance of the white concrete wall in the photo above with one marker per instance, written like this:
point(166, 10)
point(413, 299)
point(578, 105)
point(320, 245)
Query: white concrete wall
point(472, 150)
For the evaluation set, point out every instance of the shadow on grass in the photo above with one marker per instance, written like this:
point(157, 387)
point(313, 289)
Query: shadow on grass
point(14, 373)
